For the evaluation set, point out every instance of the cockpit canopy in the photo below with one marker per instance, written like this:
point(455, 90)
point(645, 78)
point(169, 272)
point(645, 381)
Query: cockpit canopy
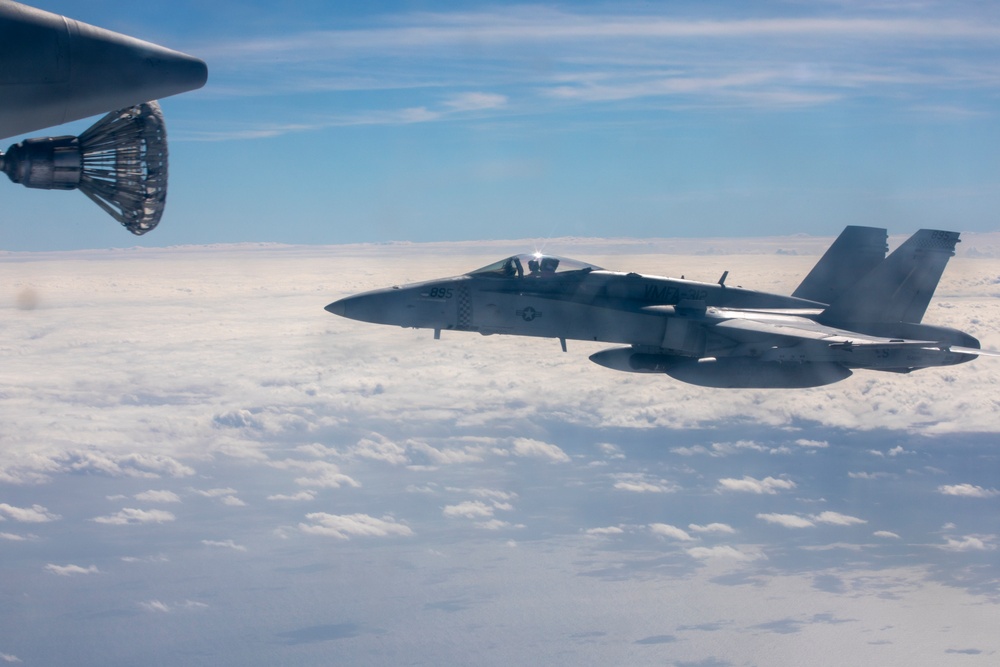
point(533, 265)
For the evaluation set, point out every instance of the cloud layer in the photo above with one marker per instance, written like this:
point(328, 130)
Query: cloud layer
point(188, 435)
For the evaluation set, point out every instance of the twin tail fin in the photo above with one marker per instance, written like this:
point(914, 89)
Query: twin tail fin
point(899, 288)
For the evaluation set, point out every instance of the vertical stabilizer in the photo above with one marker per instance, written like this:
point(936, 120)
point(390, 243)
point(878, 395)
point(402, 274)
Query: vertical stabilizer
point(852, 256)
point(899, 288)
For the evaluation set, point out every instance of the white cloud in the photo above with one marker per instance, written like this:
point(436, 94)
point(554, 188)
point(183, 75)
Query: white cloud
point(885, 533)
point(610, 450)
point(673, 532)
point(345, 526)
point(124, 465)
point(786, 520)
point(308, 494)
point(724, 552)
point(967, 543)
point(813, 444)
point(474, 509)
point(496, 524)
point(539, 449)
point(380, 449)
point(193, 604)
point(470, 509)
point(449, 455)
point(639, 486)
point(692, 451)
point(215, 493)
point(768, 485)
point(68, 570)
point(316, 450)
point(640, 483)
point(33, 514)
point(227, 544)
point(491, 494)
point(11, 537)
point(322, 474)
point(160, 607)
point(836, 519)
point(132, 516)
point(159, 558)
point(310, 381)
point(8, 657)
point(967, 491)
point(868, 475)
point(712, 528)
point(158, 497)
point(723, 449)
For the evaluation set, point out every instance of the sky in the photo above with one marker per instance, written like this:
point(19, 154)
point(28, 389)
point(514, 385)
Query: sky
point(431, 121)
point(201, 466)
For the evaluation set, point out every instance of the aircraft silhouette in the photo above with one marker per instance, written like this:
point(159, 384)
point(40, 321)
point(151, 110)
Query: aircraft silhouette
point(856, 309)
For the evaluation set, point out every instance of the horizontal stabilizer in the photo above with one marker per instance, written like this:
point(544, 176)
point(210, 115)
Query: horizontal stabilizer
point(974, 350)
point(803, 329)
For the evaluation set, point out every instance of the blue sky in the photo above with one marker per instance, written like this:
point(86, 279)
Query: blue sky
point(354, 122)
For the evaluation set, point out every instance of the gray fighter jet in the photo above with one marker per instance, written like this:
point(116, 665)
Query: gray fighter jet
point(857, 309)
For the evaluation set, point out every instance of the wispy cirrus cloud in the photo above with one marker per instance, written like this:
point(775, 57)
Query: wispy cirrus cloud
point(675, 58)
point(70, 570)
point(517, 26)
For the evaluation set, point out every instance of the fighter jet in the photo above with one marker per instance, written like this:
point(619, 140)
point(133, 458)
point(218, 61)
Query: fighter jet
point(857, 309)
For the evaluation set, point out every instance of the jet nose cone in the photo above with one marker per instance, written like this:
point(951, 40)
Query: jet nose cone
point(338, 308)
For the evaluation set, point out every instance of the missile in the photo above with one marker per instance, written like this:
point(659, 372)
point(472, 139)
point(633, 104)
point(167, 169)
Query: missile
point(628, 360)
